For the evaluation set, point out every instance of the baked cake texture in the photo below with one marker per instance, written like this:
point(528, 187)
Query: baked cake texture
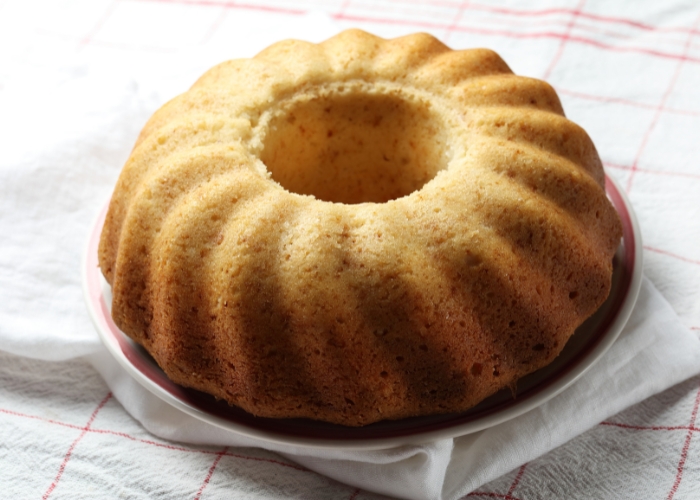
point(358, 230)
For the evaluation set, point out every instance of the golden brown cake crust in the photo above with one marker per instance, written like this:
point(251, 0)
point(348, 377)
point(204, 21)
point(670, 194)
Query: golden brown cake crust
point(358, 230)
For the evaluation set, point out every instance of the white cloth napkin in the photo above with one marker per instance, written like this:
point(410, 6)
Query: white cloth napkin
point(68, 126)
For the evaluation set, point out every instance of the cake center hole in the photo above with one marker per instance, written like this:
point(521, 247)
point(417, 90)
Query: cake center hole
point(355, 148)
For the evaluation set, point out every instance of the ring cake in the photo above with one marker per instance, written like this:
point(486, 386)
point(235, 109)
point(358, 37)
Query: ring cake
point(358, 230)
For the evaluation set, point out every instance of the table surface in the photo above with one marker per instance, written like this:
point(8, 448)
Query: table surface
point(628, 72)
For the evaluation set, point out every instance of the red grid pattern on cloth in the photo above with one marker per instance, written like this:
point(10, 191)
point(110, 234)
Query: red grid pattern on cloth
point(88, 429)
point(567, 36)
point(508, 495)
point(564, 21)
point(686, 446)
point(661, 107)
point(68, 454)
point(150, 442)
point(211, 472)
point(453, 25)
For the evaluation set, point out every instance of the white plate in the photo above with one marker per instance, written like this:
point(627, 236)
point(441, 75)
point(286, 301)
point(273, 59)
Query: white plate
point(584, 348)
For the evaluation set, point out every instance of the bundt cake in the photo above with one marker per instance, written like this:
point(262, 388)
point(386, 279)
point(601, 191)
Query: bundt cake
point(358, 230)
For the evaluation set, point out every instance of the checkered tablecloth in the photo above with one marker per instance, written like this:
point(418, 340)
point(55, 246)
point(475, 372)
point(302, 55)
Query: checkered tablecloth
point(628, 72)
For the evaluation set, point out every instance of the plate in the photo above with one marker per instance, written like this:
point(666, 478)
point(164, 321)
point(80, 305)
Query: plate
point(585, 347)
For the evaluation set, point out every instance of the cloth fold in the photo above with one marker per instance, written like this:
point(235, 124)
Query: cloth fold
point(653, 352)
